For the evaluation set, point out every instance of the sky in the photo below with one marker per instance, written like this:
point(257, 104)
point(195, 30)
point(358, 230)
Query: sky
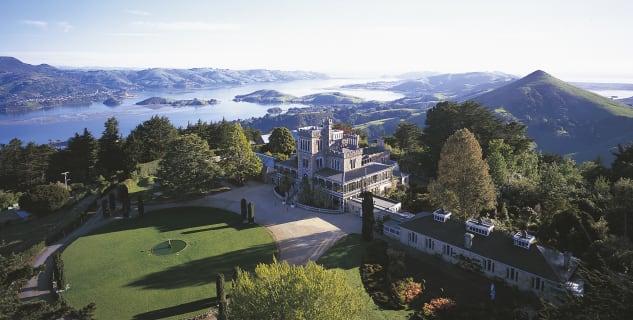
point(577, 40)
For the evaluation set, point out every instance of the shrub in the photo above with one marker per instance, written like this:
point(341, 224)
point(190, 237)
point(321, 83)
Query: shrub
point(251, 212)
point(436, 306)
point(44, 198)
point(405, 290)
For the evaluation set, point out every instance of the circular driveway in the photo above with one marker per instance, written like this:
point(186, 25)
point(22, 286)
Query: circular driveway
point(300, 235)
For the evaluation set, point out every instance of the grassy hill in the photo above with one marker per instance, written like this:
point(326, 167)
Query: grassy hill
point(563, 118)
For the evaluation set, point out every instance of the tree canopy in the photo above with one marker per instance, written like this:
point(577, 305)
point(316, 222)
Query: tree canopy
point(447, 117)
point(188, 165)
point(237, 158)
point(281, 141)
point(110, 157)
point(149, 140)
point(463, 184)
point(281, 291)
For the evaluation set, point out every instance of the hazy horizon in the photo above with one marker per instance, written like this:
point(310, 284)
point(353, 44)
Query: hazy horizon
point(574, 41)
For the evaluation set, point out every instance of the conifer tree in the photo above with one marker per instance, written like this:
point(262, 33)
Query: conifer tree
point(238, 159)
point(463, 184)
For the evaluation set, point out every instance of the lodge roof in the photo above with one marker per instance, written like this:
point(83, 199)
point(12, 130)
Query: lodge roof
point(497, 246)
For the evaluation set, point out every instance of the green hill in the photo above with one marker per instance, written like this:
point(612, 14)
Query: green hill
point(562, 118)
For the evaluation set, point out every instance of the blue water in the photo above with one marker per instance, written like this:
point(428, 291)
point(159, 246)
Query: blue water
point(62, 122)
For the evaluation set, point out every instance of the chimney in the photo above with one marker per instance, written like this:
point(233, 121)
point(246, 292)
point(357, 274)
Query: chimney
point(468, 240)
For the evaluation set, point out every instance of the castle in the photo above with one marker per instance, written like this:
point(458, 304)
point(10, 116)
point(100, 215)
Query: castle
point(333, 160)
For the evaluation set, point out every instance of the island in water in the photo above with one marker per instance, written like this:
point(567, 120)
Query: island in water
point(276, 97)
point(176, 103)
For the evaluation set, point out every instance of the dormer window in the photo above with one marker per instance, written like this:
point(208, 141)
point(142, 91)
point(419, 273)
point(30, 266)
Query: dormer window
point(523, 239)
point(480, 226)
point(441, 215)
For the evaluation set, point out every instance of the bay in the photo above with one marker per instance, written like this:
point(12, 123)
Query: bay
point(60, 123)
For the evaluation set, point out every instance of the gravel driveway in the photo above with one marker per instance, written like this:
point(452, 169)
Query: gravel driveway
point(300, 235)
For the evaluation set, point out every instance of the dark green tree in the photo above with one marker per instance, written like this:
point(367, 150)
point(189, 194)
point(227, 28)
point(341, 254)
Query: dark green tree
point(621, 217)
point(10, 159)
point(408, 136)
point(447, 117)
point(368, 216)
point(463, 184)
point(126, 204)
point(251, 212)
point(141, 205)
point(244, 207)
point(149, 141)
point(58, 271)
point(45, 198)
point(188, 165)
point(281, 142)
point(219, 289)
point(622, 165)
point(82, 157)
point(110, 157)
point(112, 201)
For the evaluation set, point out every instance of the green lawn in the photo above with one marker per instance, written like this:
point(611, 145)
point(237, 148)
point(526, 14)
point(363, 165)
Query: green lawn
point(347, 254)
point(115, 268)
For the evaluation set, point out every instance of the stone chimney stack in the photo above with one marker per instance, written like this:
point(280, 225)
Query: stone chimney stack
point(468, 240)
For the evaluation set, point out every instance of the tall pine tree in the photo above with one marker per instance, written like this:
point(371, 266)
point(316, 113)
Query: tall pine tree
point(110, 156)
point(463, 184)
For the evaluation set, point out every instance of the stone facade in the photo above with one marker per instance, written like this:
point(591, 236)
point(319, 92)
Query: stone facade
point(333, 160)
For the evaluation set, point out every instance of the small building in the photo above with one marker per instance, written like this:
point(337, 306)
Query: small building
point(382, 206)
point(518, 260)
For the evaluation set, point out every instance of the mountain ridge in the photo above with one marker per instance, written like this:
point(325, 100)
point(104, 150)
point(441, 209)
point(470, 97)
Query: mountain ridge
point(562, 118)
point(25, 87)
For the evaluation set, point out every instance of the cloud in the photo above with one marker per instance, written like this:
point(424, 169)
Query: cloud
point(65, 26)
point(35, 23)
point(186, 26)
point(138, 13)
point(131, 34)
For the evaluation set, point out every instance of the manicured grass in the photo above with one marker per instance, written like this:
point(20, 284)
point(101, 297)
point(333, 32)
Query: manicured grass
point(114, 266)
point(346, 254)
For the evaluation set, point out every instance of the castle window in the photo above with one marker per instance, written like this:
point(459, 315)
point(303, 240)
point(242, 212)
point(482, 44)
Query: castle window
point(305, 163)
point(352, 163)
point(319, 163)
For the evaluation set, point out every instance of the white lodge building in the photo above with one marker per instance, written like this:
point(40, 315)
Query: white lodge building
point(333, 160)
point(517, 260)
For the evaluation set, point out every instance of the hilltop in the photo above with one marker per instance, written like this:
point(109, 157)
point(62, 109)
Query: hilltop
point(25, 87)
point(562, 118)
